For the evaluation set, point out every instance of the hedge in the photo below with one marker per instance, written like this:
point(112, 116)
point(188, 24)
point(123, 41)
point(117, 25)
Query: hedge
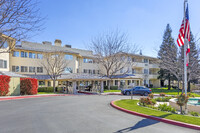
point(28, 86)
point(49, 89)
point(111, 87)
point(45, 89)
point(4, 85)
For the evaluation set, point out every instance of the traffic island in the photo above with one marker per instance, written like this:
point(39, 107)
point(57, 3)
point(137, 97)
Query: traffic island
point(134, 109)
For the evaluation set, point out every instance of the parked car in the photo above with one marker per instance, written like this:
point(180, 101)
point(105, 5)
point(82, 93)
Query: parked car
point(140, 90)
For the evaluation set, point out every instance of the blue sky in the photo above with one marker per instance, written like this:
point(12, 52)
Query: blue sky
point(75, 22)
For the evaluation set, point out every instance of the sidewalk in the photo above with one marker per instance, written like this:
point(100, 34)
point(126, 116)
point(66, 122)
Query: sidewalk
point(3, 98)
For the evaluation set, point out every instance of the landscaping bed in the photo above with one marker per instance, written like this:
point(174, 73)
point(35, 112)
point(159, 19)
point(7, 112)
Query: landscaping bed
point(132, 106)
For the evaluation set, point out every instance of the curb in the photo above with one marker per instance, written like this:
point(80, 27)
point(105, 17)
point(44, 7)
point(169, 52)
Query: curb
point(34, 96)
point(177, 123)
point(88, 93)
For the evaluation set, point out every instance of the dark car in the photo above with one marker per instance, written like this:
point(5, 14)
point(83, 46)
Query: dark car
point(139, 90)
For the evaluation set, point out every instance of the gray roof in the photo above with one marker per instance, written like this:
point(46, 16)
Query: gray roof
point(125, 76)
point(83, 76)
point(32, 46)
point(71, 76)
point(39, 77)
point(12, 74)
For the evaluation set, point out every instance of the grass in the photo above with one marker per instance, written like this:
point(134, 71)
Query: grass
point(132, 105)
point(48, 93)
point(169, 92)
point(112, 91)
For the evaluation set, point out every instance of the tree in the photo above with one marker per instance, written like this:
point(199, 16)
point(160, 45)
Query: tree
point(18, 18)
point(55, 64)
point(168, 57)
point(193, 69)
point(112, 50)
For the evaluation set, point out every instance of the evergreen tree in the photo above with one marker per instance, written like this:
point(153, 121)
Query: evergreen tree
point(168, 56)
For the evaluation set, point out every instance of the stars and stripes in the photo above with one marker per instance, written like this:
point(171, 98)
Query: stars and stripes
point(185, 33)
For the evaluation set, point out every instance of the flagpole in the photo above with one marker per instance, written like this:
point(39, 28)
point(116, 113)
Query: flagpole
point(185, 67)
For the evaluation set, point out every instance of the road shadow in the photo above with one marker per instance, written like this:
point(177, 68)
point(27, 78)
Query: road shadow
point(141, 124)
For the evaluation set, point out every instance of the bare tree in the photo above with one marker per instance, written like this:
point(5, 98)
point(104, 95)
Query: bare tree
point(18, 19)
point(55, 64)
point(112, 53)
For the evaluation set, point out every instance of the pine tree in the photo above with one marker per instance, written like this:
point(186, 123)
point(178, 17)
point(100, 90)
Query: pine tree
point(168, 56)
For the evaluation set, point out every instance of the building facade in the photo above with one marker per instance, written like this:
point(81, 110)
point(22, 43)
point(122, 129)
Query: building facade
point(26, 59)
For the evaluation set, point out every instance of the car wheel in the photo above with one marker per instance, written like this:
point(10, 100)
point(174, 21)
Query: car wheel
point(127, 93)
point(146, 94)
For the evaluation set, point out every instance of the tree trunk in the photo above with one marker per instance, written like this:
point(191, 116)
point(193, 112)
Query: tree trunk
point(181, 109)
point(54, 85)
point(169, 83)
point(178, 86)
point(188, 89)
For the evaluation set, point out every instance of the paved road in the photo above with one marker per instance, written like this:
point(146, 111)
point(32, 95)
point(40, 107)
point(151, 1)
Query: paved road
point(75, 114)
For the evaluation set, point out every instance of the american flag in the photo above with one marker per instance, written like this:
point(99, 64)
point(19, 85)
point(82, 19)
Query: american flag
point(185, 34)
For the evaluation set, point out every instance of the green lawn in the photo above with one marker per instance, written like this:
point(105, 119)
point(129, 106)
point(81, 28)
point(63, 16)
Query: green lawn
point(48, 93)
point(112, 91)
point(169, 92)
point(132, 105)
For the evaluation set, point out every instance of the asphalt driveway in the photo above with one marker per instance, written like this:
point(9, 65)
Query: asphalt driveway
point(75, 114)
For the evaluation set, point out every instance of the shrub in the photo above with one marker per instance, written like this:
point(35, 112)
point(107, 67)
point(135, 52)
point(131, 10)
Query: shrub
point(60, 89)
point(45, 89)
point(113, 87)
point(194, 113)
point(147, 101)
point(181, 101)
point(164, 99)
point(162, 94)
point(28, 86)
point(4, 85)
point(165, 107)
point(151, 96)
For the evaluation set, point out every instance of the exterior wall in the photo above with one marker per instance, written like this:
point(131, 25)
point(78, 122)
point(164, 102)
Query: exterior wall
point(4, 56)
point(14, 84)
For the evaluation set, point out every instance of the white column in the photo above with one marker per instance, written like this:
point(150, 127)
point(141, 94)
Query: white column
point(118, 82)
point(102, 87)
point(139, 82)
point(74, 87)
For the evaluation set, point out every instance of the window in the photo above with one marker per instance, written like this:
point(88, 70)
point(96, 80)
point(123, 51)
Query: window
point(68, 70)
point(49, 83)
point(145, 60)
point(15, 68)
point(68, 57)
point(16, 54)
point(129, 58)
point(32, 55)
point(146, 71)
point(31, 69)
point(24, 54)
point(116, 82)
point(133, 59)
point(85, 60)
point(122, 70)
point(3, 64)
point(77, 70)
point(133, 71)
point(94, 71)
point(5, 44)
point(41, 83)
point(90, 71)
point(98, 71)
point(129, 70)
point(24, 69)
point(40, 56)
point(39, 69)
point(84, 70)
